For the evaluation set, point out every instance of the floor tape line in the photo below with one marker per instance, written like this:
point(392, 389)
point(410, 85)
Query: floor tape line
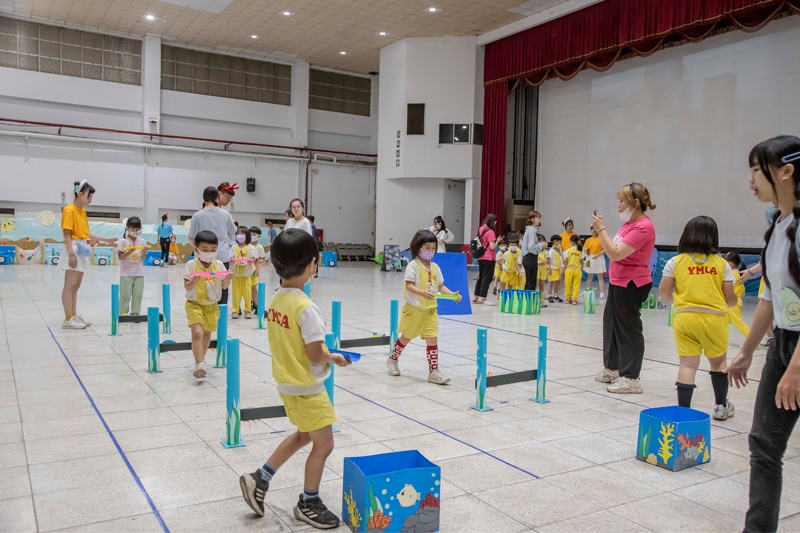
point(113, 439)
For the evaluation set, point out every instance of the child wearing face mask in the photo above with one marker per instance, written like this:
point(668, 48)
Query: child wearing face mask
point(543, 263)
point(202, 295)
point(572, 270)
point(255, 234)
point(243, 272)
point(131, 268)
point(512, 264)
point(498, 265)
point(423, 279)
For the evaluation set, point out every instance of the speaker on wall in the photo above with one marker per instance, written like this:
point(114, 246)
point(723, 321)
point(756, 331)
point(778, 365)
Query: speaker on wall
point(251, 185)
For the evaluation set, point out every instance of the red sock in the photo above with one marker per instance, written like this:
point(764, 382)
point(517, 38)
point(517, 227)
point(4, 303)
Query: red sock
point(433, 357)
point(397, 350)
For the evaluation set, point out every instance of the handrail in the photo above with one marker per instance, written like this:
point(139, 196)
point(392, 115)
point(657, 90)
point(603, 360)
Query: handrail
point(164, 136)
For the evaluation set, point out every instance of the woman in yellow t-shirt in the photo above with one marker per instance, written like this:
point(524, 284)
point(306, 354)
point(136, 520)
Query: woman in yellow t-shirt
point(77, 254)
point(595, 262)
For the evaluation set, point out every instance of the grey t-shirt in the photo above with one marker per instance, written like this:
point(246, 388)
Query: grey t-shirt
point(220, 223)
point(272, 235)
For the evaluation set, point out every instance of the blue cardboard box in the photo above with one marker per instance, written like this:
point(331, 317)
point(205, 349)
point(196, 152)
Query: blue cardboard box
point(103, 255)
point(329, 259)
point(52, 251)
point(391, 492)
point(152, 258)
point(8, 254)
point(674, 438)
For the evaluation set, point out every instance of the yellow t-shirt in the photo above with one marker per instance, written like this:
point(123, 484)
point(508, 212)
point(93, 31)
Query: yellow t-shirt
point(542, 259)
point(565, 238)
point(593, 246)
point(573, 257)
point(422, 277)
point(209, 290)
point(510, 260)
point(698, 283)
point(243, 269)
point(74, 219)
point(738, 288)
point(291, 368)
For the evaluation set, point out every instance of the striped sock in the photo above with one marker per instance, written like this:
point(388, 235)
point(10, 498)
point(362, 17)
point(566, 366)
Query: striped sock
point(310, 494)
point(433, 357)
point(267, 472)
point(397, 350)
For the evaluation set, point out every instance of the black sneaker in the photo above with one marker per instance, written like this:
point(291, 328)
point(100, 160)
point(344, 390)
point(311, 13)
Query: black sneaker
point(558, 299)
point(550, 300)
point(253, 489)
point(315, 513)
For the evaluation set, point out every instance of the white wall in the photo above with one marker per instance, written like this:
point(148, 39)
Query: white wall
point(146, 183)
point(453, 209)
point(681, 121)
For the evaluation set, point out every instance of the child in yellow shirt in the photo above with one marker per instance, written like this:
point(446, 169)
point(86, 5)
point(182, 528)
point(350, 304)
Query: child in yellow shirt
point(242, 272)
point(699, 283)
point(300, 366)
point(572, 270)
point(202, 295)
point(255, 234)
point(735, 313)
point(512, 264)
point(423, 279)
point(498, 262)
point(554, 268)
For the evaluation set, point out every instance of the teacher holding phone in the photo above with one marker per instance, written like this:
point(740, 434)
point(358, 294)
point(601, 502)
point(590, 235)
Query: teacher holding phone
point(630, 282)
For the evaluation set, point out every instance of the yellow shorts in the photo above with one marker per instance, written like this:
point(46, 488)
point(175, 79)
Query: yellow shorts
point(510, 278)
point(701, 333)
point(205, 315)
point(497, 272)
point(415, 322)
point(309, 413)
point(542, 274)
point(555, 275)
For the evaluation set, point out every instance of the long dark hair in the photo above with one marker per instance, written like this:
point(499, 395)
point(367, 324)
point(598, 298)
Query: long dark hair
point(490, 221)
point(700, 236)
point(440, 220)
point(769, 155)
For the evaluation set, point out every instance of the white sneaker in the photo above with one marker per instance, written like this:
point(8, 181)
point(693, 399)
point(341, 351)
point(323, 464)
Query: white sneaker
point(394, 368)
point(602, 296)
point(607, 376)
point(83, 320)
point(724, 412)
point(234, 316)
point(73, 323)
point(489, 303)
point(248, 315)
point(437, 377)
point(199, 370)
point(625, 386)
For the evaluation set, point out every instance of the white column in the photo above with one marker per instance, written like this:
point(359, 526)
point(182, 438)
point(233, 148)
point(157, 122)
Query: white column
point(373, 115)
point(300, 81)
point(151, 86)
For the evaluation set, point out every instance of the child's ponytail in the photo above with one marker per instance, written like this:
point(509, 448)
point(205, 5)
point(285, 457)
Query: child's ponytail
point(772, 154)
point(574, 239)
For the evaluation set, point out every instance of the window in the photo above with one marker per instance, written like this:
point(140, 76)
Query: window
point(192, 71)
point(41, 48)
point(102, 216)
point(331, 91)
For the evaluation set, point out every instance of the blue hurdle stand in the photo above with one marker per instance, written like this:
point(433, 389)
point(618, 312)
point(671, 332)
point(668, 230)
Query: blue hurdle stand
point(233, 421)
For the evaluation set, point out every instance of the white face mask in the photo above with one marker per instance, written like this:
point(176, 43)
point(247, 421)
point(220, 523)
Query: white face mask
point(502, 248)
point(205, 257)
point(134, 232)
point(625, 216)
point(513, 248)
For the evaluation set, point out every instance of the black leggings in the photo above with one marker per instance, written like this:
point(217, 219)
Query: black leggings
point(485, 271)
point(531, 264)
point(623, 338)
point(165, 242)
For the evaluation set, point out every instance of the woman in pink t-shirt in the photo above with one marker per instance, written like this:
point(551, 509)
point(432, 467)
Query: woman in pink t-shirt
point(486, 263)
point(629, 286)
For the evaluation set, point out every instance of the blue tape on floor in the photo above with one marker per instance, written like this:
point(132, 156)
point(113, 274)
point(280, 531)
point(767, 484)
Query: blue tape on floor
point(417, 421)
point(113, 439)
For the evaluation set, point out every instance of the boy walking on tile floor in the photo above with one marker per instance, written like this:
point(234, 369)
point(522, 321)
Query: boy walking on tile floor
point(300, 366)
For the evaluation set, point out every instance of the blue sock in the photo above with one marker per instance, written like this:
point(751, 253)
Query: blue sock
point(310, 494)
point(267, 472)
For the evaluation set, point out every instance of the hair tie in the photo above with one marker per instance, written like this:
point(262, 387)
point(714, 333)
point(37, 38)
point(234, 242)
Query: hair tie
point(79, 186)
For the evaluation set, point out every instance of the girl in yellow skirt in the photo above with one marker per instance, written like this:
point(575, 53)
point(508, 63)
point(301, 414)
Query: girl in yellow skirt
point(572, 270)
point(243, 272)
point(423, 280)
point(700, 285)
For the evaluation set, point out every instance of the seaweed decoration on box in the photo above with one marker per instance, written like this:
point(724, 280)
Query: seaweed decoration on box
point(379, 521)
point(667, 437)
point(354, 518)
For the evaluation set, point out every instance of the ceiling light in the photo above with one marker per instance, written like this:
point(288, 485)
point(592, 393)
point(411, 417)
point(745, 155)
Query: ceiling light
point(287, 13)
point(433, 10)
point(254, 36)
point(150, 17)
point(383, 33)
point(342, 53)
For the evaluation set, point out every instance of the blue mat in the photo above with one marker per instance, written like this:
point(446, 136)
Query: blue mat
point(454, 270)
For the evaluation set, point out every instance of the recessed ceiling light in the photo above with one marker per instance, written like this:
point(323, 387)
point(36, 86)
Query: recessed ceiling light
point(287, 13)
point(254, 36)
point(150, 17)
point(383, 33)
point(433, 10)
point(342, 53)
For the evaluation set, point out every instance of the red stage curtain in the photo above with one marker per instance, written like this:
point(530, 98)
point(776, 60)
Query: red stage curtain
point(493, 164)
point(595, 37)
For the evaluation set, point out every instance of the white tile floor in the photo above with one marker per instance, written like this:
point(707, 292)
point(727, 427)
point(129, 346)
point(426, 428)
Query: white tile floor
point(567, 466)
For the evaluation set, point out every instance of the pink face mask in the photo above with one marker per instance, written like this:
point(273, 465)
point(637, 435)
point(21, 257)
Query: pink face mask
point(241, 237)
point(426, 255)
